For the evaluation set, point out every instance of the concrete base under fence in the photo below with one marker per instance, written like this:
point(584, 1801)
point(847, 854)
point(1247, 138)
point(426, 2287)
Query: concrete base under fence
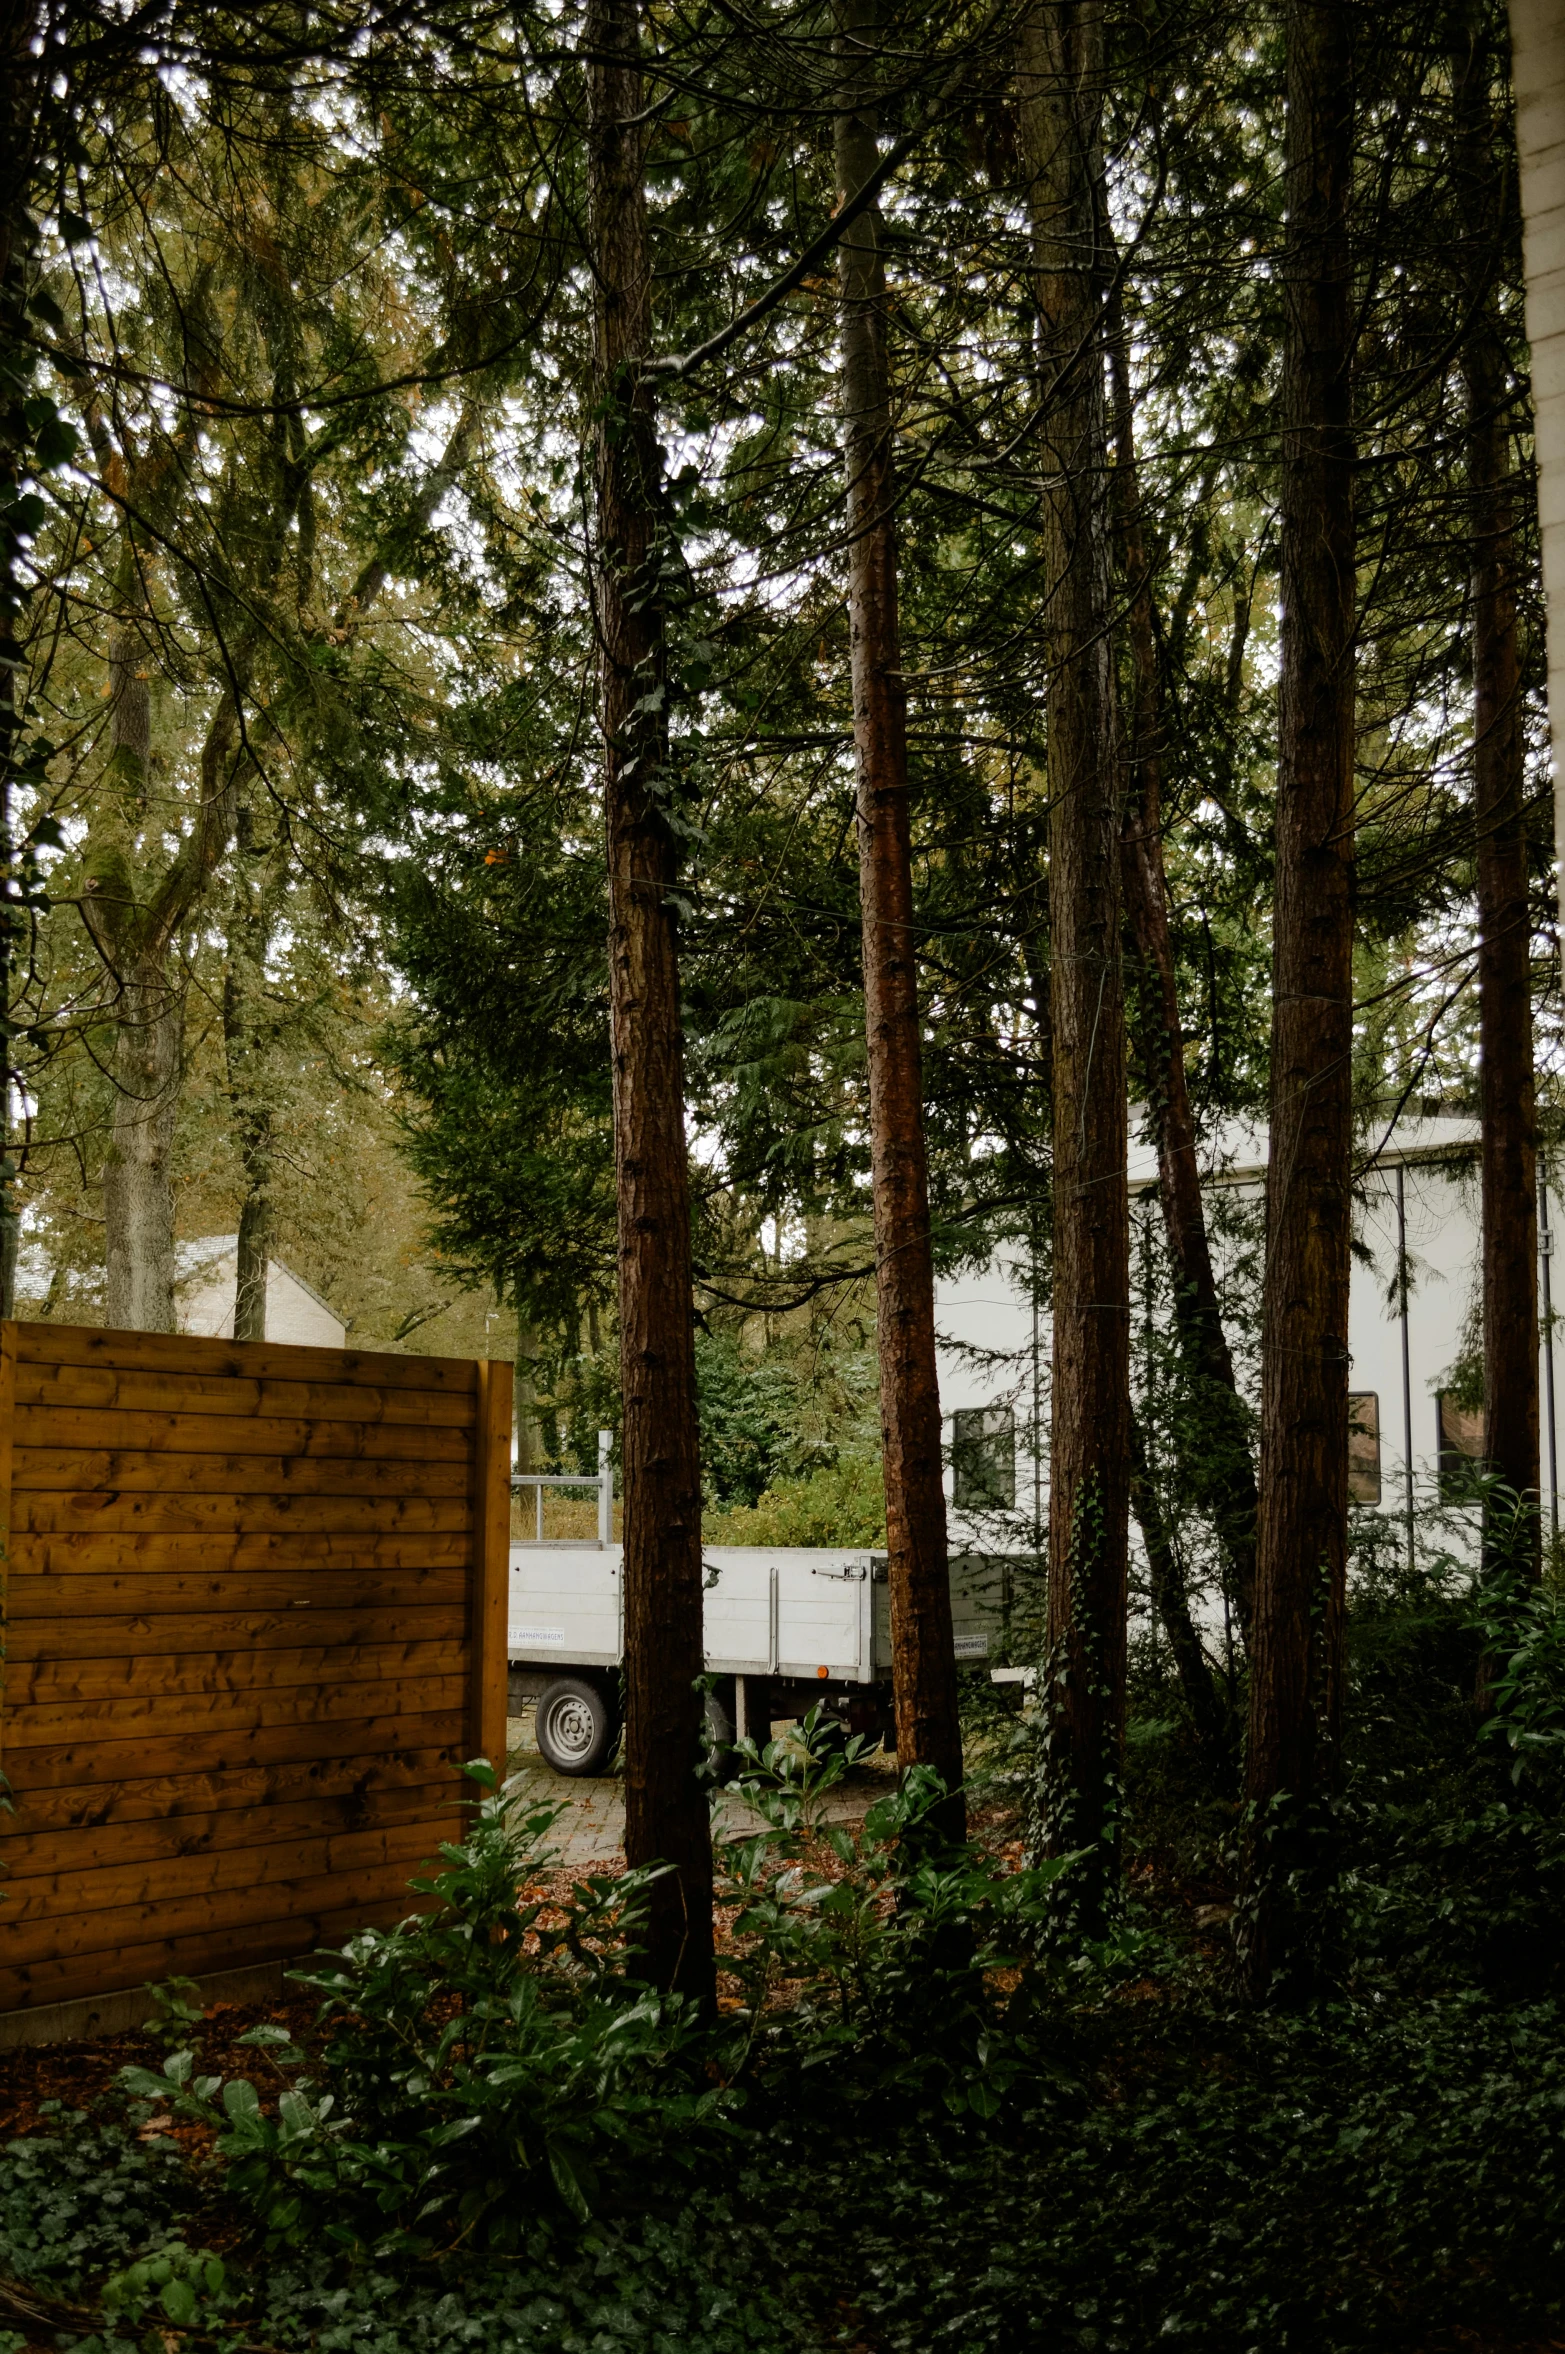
point(116, 2014)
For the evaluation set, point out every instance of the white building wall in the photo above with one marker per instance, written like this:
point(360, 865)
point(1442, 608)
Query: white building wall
point(986, 1324)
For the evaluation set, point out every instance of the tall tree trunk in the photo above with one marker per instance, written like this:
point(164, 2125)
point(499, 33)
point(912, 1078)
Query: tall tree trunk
point(1509, 1118)
point(665, 1809)
point(922, 1644)
point(1061, 107)
point(245, 1040)
point(138, 1174)
point(1221, 1476)
point(529, 1438)
point(1538, 78)
point(24, 77)
point(1296, 1652)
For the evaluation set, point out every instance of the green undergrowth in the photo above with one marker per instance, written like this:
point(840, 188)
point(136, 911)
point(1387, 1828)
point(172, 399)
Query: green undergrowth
point(928, 2118)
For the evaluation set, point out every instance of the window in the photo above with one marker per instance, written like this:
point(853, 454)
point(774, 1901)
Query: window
point(983, 1459)
point(1461, 1448)
point(1364, 1447)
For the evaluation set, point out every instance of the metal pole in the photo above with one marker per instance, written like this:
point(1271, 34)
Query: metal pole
point(1545, 1254)
point(605, 1487)
point(1407, 1368)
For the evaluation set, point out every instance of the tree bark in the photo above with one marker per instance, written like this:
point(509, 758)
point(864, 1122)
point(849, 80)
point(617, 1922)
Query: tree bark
point(529, 1438)
point(1509, 1117)
point(665, 1810)
point(1061, 104)
point(138, 1174)
point(23, 85)
point(1296, 1655)
point(922, 1644)
point(1538, 79)
point(1221, 1477)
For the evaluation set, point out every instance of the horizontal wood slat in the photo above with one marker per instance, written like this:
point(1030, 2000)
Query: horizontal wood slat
point(178, 1353)
point(126, 1635)
point(241, 1671)
point(191, 1515)
point(148, 1715)
point(293, 1938)
point(93, 1758)
point(49, 1470)
point(58, 1936)
point(54, 1681)
point(167, 1880)
point(252, 1790)
point(214, 1393)
point(134, 1597)
point(43, 1854)
point(68, 1553)
point(236, 1434)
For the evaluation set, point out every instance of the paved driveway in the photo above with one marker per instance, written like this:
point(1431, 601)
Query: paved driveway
point(591, 1836)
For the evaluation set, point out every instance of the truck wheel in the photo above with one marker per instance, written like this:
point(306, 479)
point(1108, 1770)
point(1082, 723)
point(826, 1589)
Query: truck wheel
point(577, 1730)
point(718, 1731)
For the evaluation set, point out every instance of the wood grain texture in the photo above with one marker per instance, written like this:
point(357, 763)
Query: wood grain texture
point(69, 1553)
point(45, 1853)
point(233, 1515)
point(251, 1791)
point(182, 1353)
point(91, 1758)
point(194, 1953)
point(145, 1392)
point(167, 1716)
point(161, 1674)
point(491, 1564)
point(166, 1882)
point(130, 1635)
point(118, 1428)
point(134, 1471)
point(259, 1613)
point(7, 1420)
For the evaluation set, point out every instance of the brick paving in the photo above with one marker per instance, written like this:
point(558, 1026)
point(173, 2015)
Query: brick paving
point(591, 1836)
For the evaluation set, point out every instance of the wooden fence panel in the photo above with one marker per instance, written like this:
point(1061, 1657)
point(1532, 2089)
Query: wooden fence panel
point(253, 1601)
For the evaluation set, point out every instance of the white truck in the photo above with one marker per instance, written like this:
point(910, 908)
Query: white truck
point(785, 1628)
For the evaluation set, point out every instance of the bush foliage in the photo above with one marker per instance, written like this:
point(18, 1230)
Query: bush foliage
point(925, 2118)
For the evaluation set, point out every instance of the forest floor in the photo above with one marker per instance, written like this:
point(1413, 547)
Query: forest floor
point(590, 1835)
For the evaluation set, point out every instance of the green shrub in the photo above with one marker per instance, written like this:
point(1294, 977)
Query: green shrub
point(487, 2062)
point(842, 1503)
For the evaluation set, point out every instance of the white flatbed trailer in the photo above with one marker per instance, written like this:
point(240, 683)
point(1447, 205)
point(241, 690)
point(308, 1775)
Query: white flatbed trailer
point(785, 1628)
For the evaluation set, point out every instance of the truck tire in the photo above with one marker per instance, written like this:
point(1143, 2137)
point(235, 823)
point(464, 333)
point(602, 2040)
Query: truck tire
point(576, 1726)
point(718, 1731)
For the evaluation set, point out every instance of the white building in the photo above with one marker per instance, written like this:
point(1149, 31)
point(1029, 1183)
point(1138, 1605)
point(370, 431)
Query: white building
point(1418, 1194)
point(208, 1283)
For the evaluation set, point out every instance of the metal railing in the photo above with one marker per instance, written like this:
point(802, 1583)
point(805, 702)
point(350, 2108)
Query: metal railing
point(602, 1479)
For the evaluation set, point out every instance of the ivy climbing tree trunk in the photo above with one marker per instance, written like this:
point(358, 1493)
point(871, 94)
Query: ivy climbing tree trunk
point(923, 1656)
point(1509, 1126)
point(1296, 1651)
point(665, 1809)
point(1061, 93)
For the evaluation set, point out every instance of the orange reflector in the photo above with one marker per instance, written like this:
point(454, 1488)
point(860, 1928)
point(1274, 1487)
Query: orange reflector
point(823, 1671)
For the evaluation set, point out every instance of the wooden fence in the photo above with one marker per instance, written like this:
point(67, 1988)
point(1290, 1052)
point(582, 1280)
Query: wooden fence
point(254, 1618)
